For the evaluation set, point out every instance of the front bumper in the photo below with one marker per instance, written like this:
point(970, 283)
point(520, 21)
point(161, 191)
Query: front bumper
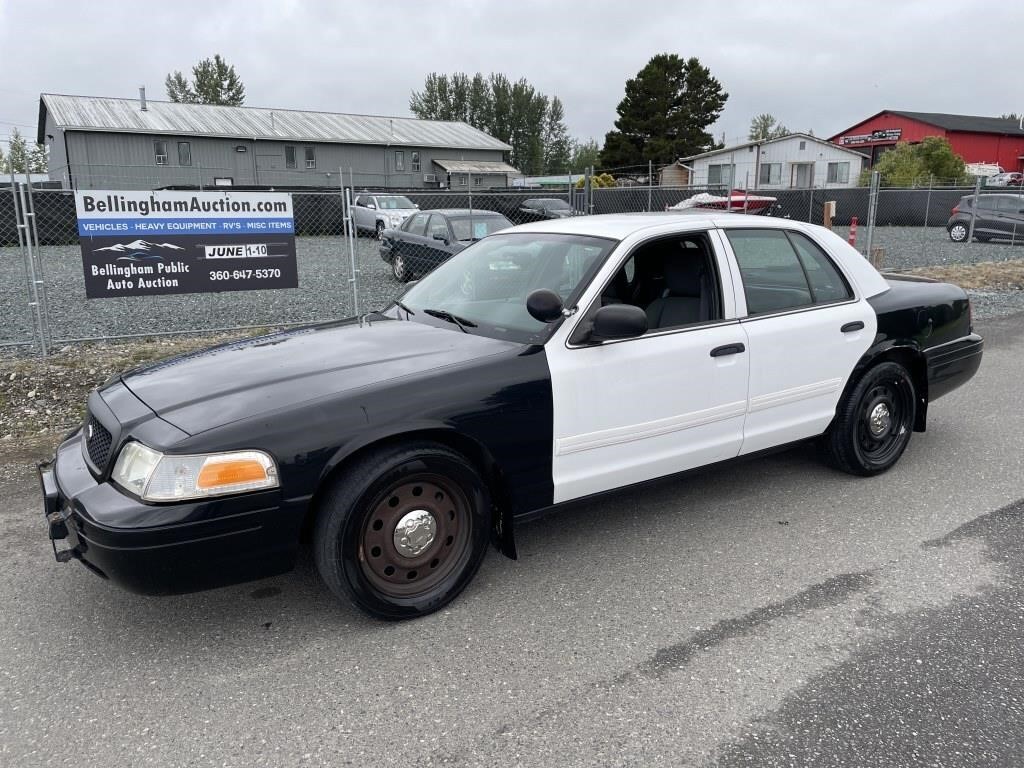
point(164, 548)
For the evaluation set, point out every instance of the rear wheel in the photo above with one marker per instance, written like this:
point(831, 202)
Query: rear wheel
point(404, 531)
point(874, 423)
point(398, 268)
point(958, 232)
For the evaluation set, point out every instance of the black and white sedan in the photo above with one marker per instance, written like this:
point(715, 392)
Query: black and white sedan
point(541, 365)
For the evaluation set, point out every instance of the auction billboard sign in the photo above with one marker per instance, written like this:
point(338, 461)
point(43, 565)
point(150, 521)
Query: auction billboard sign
point(151, 243)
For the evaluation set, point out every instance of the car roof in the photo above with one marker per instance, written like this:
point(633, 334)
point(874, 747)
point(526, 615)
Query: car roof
point(462, 212)
point(621, 225)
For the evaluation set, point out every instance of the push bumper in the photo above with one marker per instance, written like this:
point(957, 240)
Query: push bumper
point(163, 548)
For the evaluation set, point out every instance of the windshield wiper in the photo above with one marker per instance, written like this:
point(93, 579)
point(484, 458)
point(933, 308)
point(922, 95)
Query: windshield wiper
point(400, 305)
point(444, 314)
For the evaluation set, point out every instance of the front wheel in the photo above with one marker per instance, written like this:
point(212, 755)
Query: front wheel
point(398, 268)
point(403, 531)
point(874, 422)
point(380, 230)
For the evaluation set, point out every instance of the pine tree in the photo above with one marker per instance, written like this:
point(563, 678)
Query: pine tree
point(557, 144)
point(764, 127)
point(214, 81)
point(17, 153)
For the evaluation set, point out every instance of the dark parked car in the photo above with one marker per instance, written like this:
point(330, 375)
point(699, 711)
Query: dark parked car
point(997, 217)
point(542, 209)
point(538, 367)
point(429, 238)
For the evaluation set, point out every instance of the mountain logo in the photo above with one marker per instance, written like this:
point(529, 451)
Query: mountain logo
point(140, 250)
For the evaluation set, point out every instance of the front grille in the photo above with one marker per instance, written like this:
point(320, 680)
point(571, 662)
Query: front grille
point(97, 441)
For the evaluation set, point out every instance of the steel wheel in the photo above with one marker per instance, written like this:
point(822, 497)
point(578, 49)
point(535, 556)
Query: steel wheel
point(883, 428)
point(416, 534)
point(958, 233)
point(403, 530)
point(874, 421)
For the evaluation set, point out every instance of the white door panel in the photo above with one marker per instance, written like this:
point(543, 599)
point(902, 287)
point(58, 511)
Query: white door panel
point(634, 410)
point(799, 364)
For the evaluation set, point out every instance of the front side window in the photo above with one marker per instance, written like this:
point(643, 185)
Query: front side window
point(838, 173)
point(1011, 204)
point(784, 270)
point(770, 173)
point(488, 282)
point(414, 158)
point(438, 228)
point(289, 157)
point(184, 153)
point(160, 152)
point(310, 157)
point(399, 161)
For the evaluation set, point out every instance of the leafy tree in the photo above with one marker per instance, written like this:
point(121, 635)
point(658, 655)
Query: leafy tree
point(909, 165)
point(585, 154)
point(597, 180)
point(1010, 116)
point(765, 127)
point(214, 81)
point(513, 112)
point(22, 158)
point(665, 113)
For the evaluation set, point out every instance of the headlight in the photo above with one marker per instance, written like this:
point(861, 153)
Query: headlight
point(155, 476)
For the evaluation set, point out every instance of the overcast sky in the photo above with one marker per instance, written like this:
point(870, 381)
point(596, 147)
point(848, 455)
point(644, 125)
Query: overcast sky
point(811, 66)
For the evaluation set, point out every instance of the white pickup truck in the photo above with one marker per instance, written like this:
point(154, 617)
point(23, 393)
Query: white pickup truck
point(373, 212)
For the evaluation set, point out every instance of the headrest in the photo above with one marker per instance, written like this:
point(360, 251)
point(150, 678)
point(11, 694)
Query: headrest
point(683, 273)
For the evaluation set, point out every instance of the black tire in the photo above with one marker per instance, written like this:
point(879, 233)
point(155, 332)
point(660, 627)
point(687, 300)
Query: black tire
point(358, 553)
point(855, 443)
point(399, 269)
point(958, 232)
point(380, 230)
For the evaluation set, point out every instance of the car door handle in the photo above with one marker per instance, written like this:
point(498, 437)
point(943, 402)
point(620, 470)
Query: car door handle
point(856, 325)
point(728, 349)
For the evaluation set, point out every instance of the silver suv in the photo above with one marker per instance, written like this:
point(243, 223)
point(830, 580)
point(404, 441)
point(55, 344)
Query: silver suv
point(375, 213)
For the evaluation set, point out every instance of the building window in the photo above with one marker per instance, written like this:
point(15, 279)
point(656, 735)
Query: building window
point(399, 161)
point(223, 181)
point(478, 181)
point(184, 153)
point(160, 150)
point(838, 173)
point(310, 157)
point(460, 179)
point(289, 157)
point(720, 175)
point(803, 145)
point(770, 173)
point(415, 160)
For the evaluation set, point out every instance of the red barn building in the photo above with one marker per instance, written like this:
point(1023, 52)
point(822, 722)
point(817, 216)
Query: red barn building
point(976, 139)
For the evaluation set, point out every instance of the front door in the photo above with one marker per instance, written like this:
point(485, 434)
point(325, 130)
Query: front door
point(802, 176)
point(806, 330)
point(673, 399)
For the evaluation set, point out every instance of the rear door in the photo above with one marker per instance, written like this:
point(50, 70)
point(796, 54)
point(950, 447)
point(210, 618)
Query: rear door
point(1010, 214)
point(806, 329)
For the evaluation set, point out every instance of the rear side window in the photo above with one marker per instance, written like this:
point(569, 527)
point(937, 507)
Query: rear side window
point(783, 271)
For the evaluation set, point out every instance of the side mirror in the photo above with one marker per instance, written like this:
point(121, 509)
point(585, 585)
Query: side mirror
point(544, 305)
point(442, 238)
point(618, 321)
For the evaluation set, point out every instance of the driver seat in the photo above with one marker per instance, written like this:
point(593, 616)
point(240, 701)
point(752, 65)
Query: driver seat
point(686, 296)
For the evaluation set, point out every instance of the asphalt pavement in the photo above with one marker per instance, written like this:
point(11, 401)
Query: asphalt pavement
point(770, 613)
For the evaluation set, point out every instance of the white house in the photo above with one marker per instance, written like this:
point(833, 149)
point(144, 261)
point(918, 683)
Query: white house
point(796, 161)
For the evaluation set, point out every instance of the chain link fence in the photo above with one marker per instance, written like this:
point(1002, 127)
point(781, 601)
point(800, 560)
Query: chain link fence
point(42, 293)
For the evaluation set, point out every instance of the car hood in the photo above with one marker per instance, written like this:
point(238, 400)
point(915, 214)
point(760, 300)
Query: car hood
point(203, 390)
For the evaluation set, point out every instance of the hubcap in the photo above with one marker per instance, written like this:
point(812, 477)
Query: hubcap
point(959, 232)
point(879, 420)
point(415, 532)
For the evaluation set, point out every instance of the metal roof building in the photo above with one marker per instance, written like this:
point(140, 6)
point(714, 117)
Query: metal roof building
point(130, 143)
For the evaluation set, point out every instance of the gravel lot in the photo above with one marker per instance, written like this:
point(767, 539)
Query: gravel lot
point(325, 292)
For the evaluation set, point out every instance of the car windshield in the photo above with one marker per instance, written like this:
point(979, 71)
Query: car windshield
point(476, 227)
point(395, 202)
point(487, 283)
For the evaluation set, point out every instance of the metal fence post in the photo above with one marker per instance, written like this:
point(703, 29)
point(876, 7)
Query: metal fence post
point(650, 183)
point(927, 211)
point(34, 295)
point(350, 226)
point(872, 212)
point(810, 205)
point(974, 208)
point(44, 305)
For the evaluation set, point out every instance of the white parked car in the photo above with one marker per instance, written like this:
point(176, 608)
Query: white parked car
point(377, 212)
